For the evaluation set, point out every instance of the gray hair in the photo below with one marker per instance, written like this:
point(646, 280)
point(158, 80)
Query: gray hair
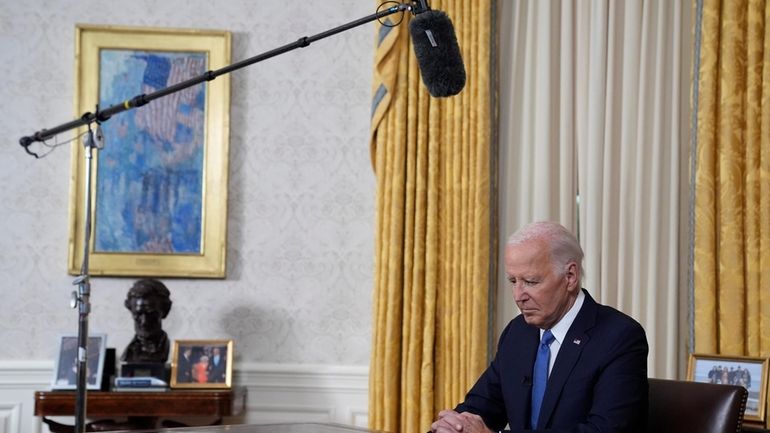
point(564, 246)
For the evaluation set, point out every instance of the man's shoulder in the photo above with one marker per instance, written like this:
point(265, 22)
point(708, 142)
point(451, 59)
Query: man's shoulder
point(613, 323)
point(607, 313)
point(612, 314)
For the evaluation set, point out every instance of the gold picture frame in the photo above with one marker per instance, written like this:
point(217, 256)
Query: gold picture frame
point(202, 364)
point(159, 192)
point(749, 372)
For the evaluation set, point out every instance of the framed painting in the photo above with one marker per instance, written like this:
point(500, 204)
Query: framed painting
point(202, 364)
point(749, 372)
point(159, 184)
point(65, 371)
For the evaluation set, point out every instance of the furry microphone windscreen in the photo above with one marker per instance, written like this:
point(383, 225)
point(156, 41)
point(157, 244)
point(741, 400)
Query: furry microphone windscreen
point(437, 52)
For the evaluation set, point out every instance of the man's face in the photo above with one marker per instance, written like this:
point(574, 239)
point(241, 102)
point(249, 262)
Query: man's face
point(542, 295)
point(147, 317)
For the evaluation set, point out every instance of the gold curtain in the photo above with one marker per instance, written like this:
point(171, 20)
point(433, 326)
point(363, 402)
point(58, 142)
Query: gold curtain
point(432, 270)
point(732, 185)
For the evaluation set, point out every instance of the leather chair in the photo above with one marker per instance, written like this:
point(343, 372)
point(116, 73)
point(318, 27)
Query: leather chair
point(677, 406)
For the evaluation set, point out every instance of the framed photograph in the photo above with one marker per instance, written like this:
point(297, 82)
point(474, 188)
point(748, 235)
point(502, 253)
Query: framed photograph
point(749, 372)
point(160, 181)
point(202, 364)
point(65, 371)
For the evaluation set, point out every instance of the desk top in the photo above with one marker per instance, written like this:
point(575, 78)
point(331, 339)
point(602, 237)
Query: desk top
point(267, 428)
point(171, 403)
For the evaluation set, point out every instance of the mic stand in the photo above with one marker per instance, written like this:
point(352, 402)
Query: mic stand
point(81, 298)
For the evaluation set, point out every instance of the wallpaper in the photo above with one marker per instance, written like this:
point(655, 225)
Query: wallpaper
point(301, 191)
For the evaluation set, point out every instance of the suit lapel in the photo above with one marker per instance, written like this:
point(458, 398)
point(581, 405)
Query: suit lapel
point(522, 383)
point(569, 353)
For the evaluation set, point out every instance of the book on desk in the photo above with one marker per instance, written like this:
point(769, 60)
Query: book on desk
point(140, 384)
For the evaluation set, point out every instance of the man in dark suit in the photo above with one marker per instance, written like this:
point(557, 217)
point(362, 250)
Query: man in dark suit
point(595, 377)
point(184, 366)
point(217, 366)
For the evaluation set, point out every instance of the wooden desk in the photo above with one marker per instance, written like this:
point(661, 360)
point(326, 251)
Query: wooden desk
point(143, 409)
point(270, 428)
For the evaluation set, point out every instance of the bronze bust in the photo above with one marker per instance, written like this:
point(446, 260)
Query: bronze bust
point(149, 302)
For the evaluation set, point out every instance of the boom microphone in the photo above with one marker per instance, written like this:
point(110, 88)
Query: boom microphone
point(437, 52)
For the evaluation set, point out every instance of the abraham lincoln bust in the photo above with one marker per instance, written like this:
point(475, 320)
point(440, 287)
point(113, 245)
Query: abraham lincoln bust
point(149, 302)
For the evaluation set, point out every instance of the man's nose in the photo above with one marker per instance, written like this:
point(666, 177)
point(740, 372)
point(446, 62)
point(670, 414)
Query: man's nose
point(519, 292)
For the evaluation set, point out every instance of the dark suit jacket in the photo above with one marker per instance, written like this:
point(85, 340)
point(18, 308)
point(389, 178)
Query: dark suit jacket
point(217, 372)
point(598, 382)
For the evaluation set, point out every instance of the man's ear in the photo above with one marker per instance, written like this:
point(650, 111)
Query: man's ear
point(572, 275)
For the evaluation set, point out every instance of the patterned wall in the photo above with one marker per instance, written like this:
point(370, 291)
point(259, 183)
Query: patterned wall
point(301, 210)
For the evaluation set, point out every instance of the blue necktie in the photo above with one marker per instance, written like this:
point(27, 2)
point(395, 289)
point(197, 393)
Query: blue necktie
point(540, 376)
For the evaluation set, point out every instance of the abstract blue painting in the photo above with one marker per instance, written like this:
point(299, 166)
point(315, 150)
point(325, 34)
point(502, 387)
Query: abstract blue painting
point(149, 196)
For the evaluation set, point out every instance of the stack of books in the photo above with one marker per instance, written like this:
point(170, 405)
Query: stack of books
point(142, 377)
point(140, 384)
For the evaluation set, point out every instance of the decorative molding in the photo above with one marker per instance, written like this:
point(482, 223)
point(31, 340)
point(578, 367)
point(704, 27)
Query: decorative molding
point(309, 377)
point(359, 417)
point(18, 374)
point(10, 418)
point(301, 392)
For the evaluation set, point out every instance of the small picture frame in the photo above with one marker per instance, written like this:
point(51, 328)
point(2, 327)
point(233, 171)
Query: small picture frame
point(202, 364)
point(749, 372)
point(65, 371)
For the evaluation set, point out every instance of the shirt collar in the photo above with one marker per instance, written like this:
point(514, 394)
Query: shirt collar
point(560, 329)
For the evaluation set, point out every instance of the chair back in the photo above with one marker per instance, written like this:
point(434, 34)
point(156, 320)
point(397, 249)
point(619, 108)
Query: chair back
point(677, 406)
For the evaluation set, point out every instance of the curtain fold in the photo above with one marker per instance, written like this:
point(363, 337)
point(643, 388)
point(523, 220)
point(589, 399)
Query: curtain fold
point(595, 144)
point(432, 161)
point(732, 181)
